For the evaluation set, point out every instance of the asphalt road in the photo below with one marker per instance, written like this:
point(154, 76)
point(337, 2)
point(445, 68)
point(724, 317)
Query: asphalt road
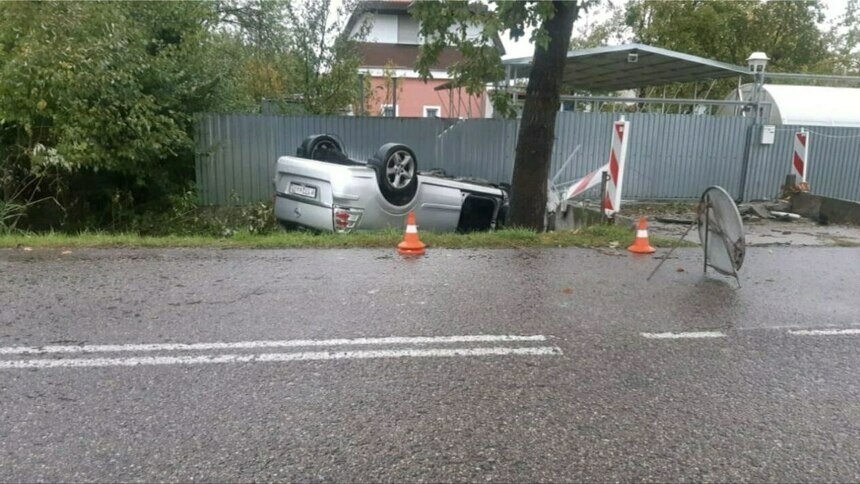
point(585, 371)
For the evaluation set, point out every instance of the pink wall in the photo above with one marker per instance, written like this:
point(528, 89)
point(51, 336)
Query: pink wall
point(414, 94)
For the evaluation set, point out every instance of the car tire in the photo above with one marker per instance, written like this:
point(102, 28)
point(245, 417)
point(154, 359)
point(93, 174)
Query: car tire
point(322, 147)
point(396, 169)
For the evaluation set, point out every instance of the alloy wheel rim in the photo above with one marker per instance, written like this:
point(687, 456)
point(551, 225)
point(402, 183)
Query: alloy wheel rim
point(400, 169)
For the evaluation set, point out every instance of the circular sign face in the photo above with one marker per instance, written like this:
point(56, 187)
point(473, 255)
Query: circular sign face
point(721, 231)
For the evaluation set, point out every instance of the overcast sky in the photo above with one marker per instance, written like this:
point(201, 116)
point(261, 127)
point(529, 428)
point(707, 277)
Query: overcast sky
point(523, 48)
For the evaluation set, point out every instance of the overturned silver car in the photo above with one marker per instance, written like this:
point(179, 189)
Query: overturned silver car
point(323, 189)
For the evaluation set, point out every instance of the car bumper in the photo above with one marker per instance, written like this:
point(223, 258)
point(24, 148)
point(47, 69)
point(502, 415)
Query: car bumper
point(294, 210)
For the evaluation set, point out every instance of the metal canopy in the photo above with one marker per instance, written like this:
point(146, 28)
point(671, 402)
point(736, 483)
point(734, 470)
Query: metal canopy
point(614, 68)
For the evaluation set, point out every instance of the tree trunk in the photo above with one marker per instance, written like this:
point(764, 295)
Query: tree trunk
point(537, 127)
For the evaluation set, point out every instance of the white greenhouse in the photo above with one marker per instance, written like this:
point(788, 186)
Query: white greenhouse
point(804, 105)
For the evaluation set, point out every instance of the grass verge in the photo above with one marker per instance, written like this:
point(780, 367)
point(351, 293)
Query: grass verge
point(596, 236)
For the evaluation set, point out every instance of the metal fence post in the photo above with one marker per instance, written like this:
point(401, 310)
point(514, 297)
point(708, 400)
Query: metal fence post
point(745, 162)
point(604, 179)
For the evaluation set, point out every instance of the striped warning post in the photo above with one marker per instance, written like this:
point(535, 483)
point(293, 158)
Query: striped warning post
point(617, 155)
point(800, 161)
point(586, 182)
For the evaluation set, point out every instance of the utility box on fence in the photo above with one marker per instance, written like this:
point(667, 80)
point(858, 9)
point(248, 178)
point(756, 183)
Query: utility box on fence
point(768, 133)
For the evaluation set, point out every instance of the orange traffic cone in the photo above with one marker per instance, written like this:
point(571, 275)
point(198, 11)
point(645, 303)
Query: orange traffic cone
point(411, 244)
point(641, 244)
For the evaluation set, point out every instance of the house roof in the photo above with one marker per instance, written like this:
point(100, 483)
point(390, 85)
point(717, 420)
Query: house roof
point(402, 56)
point(391, 7)
point(611, 68)
point(394, 7)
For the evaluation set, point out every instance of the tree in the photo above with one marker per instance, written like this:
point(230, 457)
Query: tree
point(729, 31)
point(846, 40)
point(325, 64)
point(611, 30)
point(470, 27)
point(254, 39)
point(98, 98)
point(789, 32)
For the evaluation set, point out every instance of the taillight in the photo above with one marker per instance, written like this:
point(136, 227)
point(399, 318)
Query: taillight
point(345, 218)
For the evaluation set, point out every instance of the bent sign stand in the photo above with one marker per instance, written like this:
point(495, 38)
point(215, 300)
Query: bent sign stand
point(617, 157)
point(611, 199)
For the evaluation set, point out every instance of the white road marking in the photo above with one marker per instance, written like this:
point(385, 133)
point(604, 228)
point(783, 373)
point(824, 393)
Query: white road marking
point(279, 357)
point(823, 332)
point(393, 340)
point(689, 335)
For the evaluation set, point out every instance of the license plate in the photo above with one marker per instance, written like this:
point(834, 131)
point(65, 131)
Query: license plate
point(302, 190)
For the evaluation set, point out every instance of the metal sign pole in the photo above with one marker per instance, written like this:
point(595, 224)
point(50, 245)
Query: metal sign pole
point(604, 179)
point(667, 256)
point(707, 226)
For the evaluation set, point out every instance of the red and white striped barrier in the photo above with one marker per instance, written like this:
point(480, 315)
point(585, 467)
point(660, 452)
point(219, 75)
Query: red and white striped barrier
point(800, 161)
point(617, 155)
point(615, 168)
point(586, 182)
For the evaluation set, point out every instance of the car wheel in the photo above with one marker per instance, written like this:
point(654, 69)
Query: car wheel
point(320, 147)
point(396, 169)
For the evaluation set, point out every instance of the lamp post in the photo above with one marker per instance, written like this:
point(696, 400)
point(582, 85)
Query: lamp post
point(757, 62)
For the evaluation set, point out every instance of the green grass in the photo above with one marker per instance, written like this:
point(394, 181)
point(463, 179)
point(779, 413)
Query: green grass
point(595, 236)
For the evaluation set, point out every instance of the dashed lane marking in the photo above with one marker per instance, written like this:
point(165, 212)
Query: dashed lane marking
point(687, 335)
point(823, 332)
point(279, 357)
point(392, 340)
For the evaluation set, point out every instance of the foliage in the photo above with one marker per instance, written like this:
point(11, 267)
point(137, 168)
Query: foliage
point(846, 41)
point(97, 99)
point(471, 27)
point(325, 62)
point(106, 88)
point(384, 92)
point(10, 213)
point(730, 31)
point(253, 41)
point(181, 215)
point(789, 32)
point(293, 53)
point(611, 30)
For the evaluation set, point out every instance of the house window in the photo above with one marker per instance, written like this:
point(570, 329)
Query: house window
point(407, 30)
point(432, 111)
point(389, 111)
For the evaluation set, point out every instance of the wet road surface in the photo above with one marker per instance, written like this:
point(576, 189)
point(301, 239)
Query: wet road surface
point(532, 365)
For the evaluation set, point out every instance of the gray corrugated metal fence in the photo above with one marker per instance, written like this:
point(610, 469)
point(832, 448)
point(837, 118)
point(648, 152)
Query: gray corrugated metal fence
point(669, 156)
point(236, 154)
point(834, 162)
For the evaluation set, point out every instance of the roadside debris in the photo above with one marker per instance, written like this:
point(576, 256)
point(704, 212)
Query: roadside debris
point(777, 210)
point(784, 215)
point(774, 230)
point(675, 220)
